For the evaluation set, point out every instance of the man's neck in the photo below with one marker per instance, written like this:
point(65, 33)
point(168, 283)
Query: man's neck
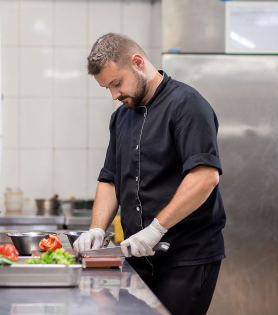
point(152, 86)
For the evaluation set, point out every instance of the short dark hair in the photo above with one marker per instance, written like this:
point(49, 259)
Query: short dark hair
point(114, 47)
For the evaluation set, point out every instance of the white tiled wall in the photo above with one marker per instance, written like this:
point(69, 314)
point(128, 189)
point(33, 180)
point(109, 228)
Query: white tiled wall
point(70, 123)
point(36, 123)
point(35, 63)
point(55, 117)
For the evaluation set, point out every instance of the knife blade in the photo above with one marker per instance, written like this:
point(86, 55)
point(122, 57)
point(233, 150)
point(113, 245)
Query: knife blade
point(117, 252)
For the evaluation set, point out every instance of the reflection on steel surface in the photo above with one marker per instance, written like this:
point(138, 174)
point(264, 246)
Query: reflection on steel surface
point(243, 90)
point(242, 40)
point(241, 130)
point(100, 291)
point(38, 308)
point(109, 292)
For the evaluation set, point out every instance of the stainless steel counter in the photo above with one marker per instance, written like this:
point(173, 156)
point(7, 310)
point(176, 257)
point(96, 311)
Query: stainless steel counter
point(101, 291)
point(23, 219)
point(28, 220)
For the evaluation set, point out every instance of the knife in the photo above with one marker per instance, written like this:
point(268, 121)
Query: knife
point(117, 252)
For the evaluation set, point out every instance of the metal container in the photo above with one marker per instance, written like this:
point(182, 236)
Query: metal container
point(40, 275)
point(81, 204)
point(48, 206)
point(81, 213)
point(28, 241)
point(13, 199)
point(73, 236)
point(79, 207)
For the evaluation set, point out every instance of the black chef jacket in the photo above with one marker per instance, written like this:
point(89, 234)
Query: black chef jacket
point(151, 150)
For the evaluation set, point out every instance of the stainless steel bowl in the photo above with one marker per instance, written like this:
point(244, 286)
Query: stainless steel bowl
point(28, 241)
point(73, 236)
point(48, 207)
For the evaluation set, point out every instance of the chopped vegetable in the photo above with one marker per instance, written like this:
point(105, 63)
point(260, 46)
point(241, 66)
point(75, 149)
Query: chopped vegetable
point(59, 256)
point(9, 251)
point(6, 261)
point(50, 243)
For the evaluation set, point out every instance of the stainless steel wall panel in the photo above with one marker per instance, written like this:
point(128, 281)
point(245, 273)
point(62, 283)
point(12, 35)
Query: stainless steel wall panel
point(194, 26)
point(243, 90)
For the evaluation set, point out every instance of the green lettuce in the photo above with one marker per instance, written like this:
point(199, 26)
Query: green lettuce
point(58, 256)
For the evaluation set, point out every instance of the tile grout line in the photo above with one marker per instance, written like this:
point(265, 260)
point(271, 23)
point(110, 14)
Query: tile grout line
point(57, 148)
point(53, 95)
point(122, 16)
point(87, 103)
point(45, 46)
point(60, 97)
point(19, 96)
point(75, 46)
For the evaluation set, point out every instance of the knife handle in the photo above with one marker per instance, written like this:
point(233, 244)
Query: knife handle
point(163, 246)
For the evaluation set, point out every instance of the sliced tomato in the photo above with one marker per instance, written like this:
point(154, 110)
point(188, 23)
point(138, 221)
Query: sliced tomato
point(13, 256)
point(50, 243)
point(9, 251)
point(41, 244)
point(54, 237)
point(56, 245)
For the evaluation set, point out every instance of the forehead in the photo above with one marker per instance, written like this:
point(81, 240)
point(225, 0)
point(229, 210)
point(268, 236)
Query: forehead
point(110, 73)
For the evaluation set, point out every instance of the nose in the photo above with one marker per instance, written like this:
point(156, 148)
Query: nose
point(115, 95)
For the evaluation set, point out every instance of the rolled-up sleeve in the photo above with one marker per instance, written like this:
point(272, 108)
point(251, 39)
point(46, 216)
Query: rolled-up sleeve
point(106, 176)
point(107, 173)
point(196, 134)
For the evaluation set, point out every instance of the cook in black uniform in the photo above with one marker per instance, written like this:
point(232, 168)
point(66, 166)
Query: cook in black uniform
point(162, 166)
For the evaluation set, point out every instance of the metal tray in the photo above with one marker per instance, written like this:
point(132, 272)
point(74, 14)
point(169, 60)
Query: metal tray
point(40, 275)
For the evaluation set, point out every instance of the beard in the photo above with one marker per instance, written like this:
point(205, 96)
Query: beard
point(139, 94)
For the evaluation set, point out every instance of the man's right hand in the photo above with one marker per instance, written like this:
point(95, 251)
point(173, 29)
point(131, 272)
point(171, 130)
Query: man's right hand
point(93, 239)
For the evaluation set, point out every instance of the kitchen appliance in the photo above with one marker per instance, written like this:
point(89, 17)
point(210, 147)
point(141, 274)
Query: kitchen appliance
point(73, 236)
point(117, 252)
point(243, 91)
point(27, 241)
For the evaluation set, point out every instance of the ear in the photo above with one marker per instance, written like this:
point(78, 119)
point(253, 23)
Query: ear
point(137, 62)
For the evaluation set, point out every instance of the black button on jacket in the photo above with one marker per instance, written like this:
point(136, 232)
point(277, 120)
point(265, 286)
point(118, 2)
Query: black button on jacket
point(151, 150)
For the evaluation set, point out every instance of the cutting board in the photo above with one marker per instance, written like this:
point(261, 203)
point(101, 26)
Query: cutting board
point(92, 262)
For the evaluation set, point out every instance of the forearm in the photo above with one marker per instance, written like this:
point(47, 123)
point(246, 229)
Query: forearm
point(105, 206)
point(191, 194)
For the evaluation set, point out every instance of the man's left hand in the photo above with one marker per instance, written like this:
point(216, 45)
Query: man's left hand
point(143, 242)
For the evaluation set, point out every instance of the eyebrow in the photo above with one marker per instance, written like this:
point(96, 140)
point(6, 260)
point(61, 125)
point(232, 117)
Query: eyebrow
point(110, 82)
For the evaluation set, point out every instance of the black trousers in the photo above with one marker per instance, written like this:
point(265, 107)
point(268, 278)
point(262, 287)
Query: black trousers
point(185, 290)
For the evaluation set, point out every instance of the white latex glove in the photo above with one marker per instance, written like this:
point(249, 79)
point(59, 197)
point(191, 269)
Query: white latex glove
point(143, 242)
point(93, 239)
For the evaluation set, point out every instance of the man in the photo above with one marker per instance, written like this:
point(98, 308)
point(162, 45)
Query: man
point(162, 166)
